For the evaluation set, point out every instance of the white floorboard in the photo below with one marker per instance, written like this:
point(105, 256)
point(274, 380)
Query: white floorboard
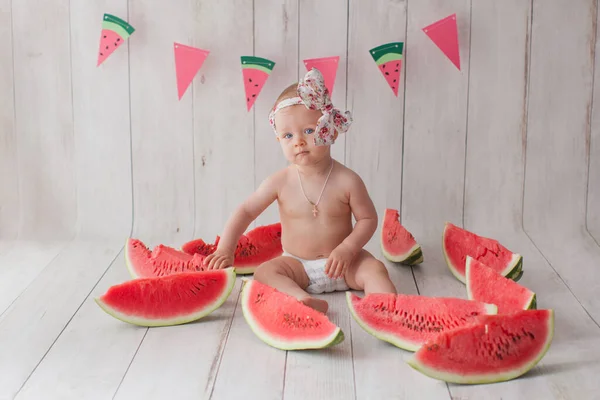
point(34, 321)
point(21, 264)
point(93, 352)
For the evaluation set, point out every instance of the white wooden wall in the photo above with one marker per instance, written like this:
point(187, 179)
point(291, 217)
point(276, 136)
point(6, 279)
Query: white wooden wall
point(508, 147)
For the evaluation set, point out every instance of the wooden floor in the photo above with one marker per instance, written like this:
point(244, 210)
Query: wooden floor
point(508, 146)
point(58, 344)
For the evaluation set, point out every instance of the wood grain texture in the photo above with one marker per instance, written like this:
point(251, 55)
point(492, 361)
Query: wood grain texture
point(323, 33)
point(9, 195)
point(434, 139)
point(497, 115)
point(223, 128)
point(161, 125)
point(494, 178)
point(593, 194)
point(187, 354)
point(248, 367)
point(556, 176)
point(326, 373)
point(275, 38)
point(44, 119)
point(101, 124)
point(558, 128)
point(44, 309)
point(92, 354)
point(374, 151)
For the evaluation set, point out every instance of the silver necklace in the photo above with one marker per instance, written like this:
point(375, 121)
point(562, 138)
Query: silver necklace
point(315, 211)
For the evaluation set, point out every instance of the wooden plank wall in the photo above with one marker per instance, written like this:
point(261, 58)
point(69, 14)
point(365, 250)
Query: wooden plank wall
point(509, 147)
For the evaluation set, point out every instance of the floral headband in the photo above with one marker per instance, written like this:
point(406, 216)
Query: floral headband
point(315, 96)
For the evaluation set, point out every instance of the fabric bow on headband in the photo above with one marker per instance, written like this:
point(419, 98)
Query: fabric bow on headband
point(315, 96)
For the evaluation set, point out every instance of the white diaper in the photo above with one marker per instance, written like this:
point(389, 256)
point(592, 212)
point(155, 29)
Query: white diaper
point(318, 281)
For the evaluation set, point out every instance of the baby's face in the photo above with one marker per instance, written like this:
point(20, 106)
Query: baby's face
point(296, 127)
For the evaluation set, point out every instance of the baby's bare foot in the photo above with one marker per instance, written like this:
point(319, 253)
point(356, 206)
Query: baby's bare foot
point(317, 304)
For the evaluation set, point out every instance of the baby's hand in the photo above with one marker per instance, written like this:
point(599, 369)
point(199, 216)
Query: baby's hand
point(338, 262)
point(218, 260)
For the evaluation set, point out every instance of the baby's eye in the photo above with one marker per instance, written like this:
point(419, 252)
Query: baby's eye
point(288, 136)
point(308, 131)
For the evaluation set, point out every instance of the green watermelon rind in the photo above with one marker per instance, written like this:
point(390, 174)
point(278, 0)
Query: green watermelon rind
point(514, 269)
point(389, 57)
point(336, 337)
point(490, 377)
point(259, 63)
point(179, 319)
point(394, 340)
point(411, 257)
point(123, 28)
point(379, 52)
point(530, 305)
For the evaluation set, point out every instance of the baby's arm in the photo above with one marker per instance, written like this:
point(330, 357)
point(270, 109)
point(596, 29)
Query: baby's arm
point(364, 212)
point(239, 221)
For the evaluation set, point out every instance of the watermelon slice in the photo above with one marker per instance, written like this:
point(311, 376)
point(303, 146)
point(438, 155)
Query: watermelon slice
point(397, 243)
point(499, 348)
point(114, 33)
point(162, 261)
point(256, 71)
point(169, 300)
point(259, 245)
point(486, 285)
point(388, 58)
point(459, 243)
point(285, 323)
point(408, 321)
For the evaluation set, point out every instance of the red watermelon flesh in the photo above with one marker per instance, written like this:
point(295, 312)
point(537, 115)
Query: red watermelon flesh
point(408, 321)
point(162, 261)
point(486, 285)
point(397, 243)
point(109, 42)
point(285, 323)
point(259, 245)
point(459, 243)
point(254, 80)
point(391, 73)
point(497, 348)
point(168, 300)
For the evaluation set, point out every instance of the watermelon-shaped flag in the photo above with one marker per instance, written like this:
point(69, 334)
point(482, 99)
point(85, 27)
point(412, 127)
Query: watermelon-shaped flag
point(114, 32)
point(188, 61)
point(256, 71)
point(388, 58)
point(328, 68)
point(444, 33)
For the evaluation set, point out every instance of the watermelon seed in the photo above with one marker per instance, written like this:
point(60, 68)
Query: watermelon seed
point(118, 39)
point(102, 55)
point(106, 47)
point(253, 95)
point(255, 85)
point(387, 73)
point(396, 70)
point(104, 36)
point(249, 79)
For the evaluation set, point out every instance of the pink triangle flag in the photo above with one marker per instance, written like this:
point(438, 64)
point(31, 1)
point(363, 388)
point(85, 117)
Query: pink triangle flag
point(328, 68)
point(188, 61)
point(444, 33)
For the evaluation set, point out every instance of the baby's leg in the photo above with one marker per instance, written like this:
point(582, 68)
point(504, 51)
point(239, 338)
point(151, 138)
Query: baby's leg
point(369, 274)
point(287, 275)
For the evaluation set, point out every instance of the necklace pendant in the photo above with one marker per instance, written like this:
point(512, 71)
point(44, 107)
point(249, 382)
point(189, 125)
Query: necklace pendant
point(315, 211)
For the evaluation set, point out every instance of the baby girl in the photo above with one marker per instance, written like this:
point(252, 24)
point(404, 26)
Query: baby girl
point(317, 197)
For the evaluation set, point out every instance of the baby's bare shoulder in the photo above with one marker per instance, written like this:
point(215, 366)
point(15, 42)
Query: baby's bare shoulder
point(349, 178)
point(277, 179)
